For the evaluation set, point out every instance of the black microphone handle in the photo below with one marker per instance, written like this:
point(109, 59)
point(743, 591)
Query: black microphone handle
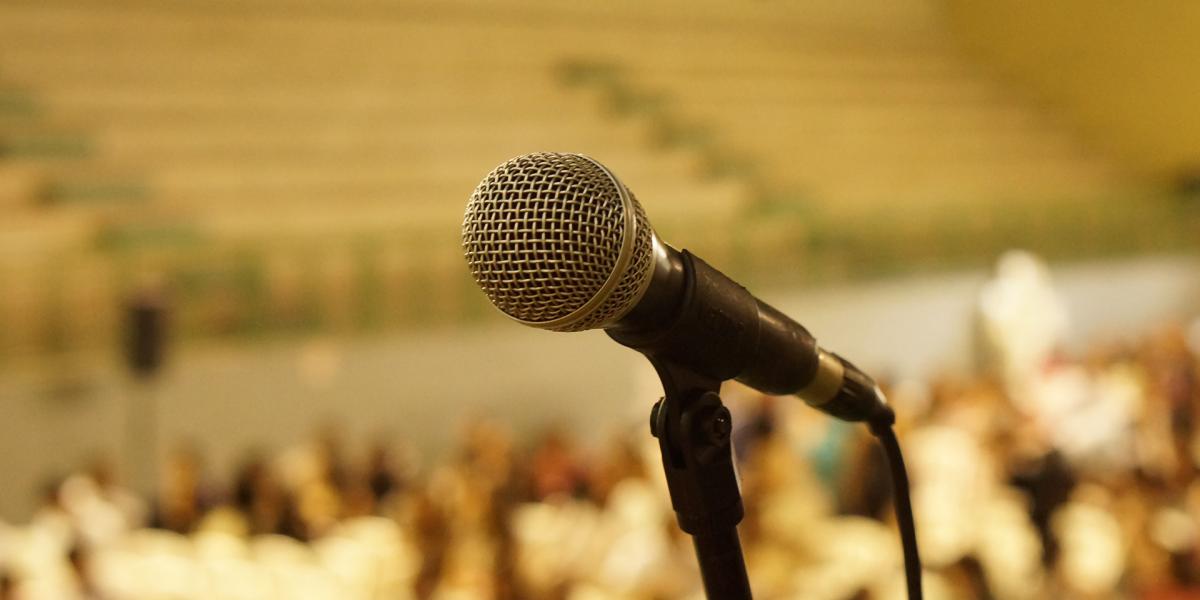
point(695, 316)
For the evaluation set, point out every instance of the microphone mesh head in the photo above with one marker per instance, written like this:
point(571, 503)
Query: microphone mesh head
point(556, 242)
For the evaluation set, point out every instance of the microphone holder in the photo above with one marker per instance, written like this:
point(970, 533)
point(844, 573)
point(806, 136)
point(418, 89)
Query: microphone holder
point(693, 429)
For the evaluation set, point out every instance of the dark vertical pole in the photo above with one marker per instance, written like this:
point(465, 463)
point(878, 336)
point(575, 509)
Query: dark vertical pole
point(144, 351)
point(722, 566)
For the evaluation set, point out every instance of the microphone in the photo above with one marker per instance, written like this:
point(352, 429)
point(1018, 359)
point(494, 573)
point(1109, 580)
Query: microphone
point(557, 242)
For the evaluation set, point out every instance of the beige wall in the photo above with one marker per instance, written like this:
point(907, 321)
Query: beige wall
point(1126, 71)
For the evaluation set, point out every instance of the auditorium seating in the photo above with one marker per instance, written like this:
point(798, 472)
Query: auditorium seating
point(856, 123)
point(289, 165)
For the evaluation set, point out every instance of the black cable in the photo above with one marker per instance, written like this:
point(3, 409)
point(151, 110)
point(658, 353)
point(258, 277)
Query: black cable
point(904, 511)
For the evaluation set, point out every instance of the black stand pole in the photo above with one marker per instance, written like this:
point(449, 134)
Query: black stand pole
point(693, 429)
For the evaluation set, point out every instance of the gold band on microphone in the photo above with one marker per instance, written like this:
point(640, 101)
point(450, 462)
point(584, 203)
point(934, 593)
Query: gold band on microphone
point(827, 381)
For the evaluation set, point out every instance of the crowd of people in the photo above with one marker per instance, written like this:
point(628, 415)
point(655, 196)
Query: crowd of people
point(1040, 475)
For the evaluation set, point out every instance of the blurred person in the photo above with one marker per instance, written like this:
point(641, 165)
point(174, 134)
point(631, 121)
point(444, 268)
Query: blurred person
point(51, 518)
point(864, 488)
point(96, 520)
point(131, 506)
point(757, 424)
point(620, 461)
point(1022, 320)
point(1047, 482)
point(82, 571)
point(357, 488)
point(1088, 412)
point(1148, 567)
point(507, 584)
point(966, 513)
point(1159, 449)
point(1008, 550)
point(101, 511)
point(315, 478)
point(510, 490)
point(556, 543)
point(968, 579)
point(789, 518)
point(184, 496)
point(951, 478)
point(357, 500)
point(1163, 556)
point(461, 514)
point(637, 553)
point(381, 474)
point(1185, 566)
point(1092, 547)
point(481, 480)
point(555, 467)
point(8, 586)
point(468, 571)
point(258, 496)
point(318, 505)
point(1161, 523)
point(431, 533)
point(822, 441)
point(1174, 382)
point(331, 455)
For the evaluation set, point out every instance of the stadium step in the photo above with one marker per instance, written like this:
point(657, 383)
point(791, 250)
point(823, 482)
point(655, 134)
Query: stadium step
point(41, 145)
point(20, 186)
point(95, 192)
point(15, 103)
point(143, 234)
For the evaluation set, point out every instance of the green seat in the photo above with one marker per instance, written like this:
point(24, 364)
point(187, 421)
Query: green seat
point(130, 236)
point(16, 103)
point(100, 191)
point(45, 145)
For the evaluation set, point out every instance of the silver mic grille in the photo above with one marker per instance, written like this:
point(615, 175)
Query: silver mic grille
point(557, 242)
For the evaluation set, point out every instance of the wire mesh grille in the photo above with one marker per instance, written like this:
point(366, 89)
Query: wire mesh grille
point(542, 235)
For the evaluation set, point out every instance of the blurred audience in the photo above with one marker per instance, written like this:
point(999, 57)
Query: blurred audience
point(1083, 489)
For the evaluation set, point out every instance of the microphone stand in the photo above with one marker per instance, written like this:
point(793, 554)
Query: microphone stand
point(693, 429)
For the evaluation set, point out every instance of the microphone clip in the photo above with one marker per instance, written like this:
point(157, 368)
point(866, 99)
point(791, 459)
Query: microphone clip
point(694, 428)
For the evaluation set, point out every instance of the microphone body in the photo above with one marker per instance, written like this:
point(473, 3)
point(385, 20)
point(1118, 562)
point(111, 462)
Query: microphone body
point(695, 316)
point(557, 242)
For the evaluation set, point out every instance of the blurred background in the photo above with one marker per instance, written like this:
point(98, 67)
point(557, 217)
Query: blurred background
point(241, 355)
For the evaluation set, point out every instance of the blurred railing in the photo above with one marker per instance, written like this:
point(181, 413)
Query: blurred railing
point(70, 300)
